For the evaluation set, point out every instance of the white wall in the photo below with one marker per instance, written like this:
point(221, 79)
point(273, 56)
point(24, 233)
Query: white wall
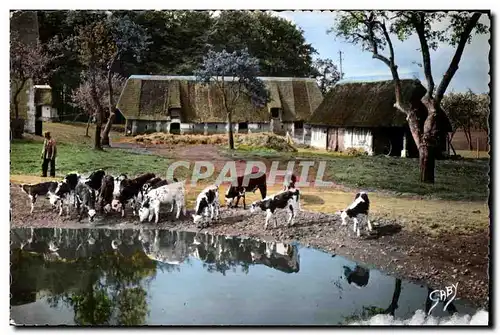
point(318, 137)
point(358, 138)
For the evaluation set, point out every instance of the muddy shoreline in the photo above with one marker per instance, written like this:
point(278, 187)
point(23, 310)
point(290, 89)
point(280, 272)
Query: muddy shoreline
point(436, 262)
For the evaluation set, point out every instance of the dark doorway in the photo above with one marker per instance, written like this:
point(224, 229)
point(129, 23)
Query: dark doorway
point(243, 127)
point(299, 124)
point(275, 113)
point(38, 121)
point(175, 128)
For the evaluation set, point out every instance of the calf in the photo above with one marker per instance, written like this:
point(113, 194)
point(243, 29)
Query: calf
point(106, 194)
point(72, 180)
point(238, 191)
point(129, 191)
point(358, 209)
point(62, 194)
point(94, 180)
point(167, 194)
point(152, 184)
point(207, 200)
point(289, 199)
point(118, 181)
point(289, 182)
point(40, 189)
point(85, 200)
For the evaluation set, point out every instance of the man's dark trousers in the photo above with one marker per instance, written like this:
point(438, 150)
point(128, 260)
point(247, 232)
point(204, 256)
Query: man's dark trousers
point(45, 165)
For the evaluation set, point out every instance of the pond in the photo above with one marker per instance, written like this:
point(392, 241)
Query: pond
point(161, 277)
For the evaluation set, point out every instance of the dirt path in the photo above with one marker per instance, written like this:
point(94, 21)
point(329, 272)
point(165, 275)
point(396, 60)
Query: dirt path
point(435, 262)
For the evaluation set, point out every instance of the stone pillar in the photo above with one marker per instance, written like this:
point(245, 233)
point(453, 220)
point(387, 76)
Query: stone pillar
point(29, 124)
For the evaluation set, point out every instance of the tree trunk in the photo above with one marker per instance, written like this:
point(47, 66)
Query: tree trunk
point(427, 159)
point(88, 126)
point(230, 132)
point(16, 96)
point(469, 138)
point(97, 139)
point(112, 114)
point(451, 145)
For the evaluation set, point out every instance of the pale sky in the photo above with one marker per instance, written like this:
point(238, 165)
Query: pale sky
point(356, 64)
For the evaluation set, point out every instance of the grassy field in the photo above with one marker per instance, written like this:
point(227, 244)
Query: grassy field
point(75, 154)
point(25, 159)
point(465, 179)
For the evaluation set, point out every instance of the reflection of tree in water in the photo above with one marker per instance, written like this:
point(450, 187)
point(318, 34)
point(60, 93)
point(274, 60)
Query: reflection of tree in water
point(103, 286)
point(102, 273)
point(113, 291)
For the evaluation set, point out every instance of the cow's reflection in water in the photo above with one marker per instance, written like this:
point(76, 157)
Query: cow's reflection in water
point(358, 276)
point(218, 253)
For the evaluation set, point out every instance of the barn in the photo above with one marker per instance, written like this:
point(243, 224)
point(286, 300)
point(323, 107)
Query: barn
point(178, 104)
point(361, 115)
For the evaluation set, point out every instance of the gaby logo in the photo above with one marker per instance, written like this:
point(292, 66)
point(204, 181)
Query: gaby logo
point(443, 295)
point(254, 169)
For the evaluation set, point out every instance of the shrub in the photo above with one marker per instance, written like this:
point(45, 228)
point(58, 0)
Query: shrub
point(355, 152)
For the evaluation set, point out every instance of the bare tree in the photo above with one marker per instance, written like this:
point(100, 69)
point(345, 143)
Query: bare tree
point(372, 30)
point(82, 96)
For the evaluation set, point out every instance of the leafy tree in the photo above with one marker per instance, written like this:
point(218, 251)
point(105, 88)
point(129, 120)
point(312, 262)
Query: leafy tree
point(82, 95)
point(327, 74)
point(179, 40)
point(483, 109)
point(126, 37)
point(235, 75)
point(372, 31)
point(279, 45)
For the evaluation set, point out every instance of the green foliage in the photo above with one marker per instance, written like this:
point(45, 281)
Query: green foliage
point(355, 152)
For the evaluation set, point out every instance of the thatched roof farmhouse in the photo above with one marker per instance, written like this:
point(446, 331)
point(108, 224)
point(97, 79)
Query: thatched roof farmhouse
point(179, 103)
point(362, 115)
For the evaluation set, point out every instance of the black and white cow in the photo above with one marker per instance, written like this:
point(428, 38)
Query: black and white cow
point(85, 200)
point(153, 183)
point(130, 189)
point(359, 209)
point(94, 180)
point(289, 199)
point(63, 194)
point(36, 190)
point(238, 191)
point(106, 194)
point(207, 201)
point(118, 181)
point(167, 194)
point(72, 179)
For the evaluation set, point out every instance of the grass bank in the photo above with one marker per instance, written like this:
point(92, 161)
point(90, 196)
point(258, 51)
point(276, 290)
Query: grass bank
point(465, 180)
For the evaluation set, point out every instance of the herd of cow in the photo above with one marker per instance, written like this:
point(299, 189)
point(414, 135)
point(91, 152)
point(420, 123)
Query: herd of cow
point(104, 193)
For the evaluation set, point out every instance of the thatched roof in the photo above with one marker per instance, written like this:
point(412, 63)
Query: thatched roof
point(367, 104)
point(150, 98)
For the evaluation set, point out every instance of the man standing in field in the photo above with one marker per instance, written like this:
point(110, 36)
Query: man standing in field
point(49, 155)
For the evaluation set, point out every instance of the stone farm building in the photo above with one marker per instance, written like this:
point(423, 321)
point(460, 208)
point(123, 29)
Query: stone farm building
point(362, 115)
point(178, 104)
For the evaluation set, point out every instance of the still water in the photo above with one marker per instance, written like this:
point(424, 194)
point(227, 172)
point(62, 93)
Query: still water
point(158, 277)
